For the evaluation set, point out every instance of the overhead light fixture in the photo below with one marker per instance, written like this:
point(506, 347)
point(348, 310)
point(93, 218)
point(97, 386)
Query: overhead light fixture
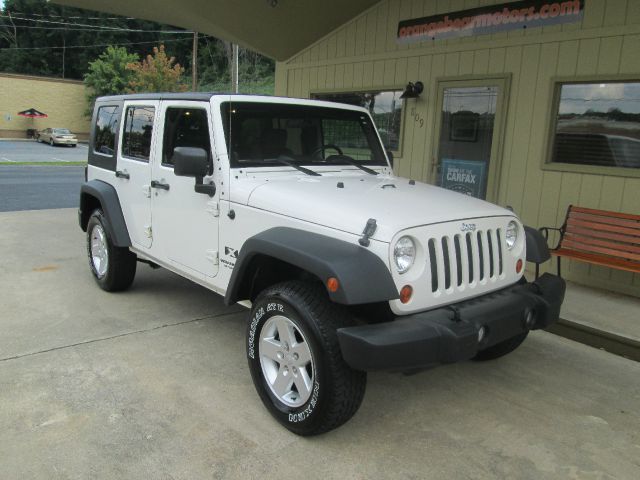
point(272, 3)
point(412, 90)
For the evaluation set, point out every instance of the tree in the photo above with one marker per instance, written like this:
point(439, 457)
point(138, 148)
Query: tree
point(157, 73)
point(109, 74)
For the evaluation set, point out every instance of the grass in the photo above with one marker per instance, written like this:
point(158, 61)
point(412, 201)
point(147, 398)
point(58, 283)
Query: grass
point(47, 164)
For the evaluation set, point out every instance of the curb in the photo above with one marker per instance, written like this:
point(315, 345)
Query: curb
point(603, 340)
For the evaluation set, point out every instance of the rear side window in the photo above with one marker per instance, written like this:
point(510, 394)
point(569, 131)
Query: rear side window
point(137, 132)
point(105, 130)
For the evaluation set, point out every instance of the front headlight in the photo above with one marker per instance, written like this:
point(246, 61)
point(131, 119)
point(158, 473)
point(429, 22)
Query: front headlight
point(404, 253)
point(511, 235)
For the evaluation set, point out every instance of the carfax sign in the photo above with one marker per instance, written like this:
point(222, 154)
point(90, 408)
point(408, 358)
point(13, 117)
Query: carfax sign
point(490, 19)
point(463, 176)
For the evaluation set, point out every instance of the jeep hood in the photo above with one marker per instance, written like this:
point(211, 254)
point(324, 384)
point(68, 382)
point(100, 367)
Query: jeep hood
point(393, 202)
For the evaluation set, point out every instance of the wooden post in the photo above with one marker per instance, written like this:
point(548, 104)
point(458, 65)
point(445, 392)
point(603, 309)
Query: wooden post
point(194, 63)
point(234, 68)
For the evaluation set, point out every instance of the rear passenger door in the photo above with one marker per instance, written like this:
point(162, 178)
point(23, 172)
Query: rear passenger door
point(133, 169)
point(185, 223)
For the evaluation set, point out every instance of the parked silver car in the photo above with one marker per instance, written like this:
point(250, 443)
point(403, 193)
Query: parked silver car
point(57, 136)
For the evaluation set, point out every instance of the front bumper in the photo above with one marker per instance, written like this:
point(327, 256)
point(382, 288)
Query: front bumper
point(451, 333)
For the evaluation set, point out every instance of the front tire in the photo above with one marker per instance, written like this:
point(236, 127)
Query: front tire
point(113, 268)
point(295, 360)
point(501, 349)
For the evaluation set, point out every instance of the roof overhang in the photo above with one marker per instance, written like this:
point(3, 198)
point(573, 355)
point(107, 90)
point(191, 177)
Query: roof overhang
point(276, 28)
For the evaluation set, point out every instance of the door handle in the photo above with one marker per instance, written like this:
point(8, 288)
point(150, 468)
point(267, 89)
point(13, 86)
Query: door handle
point(122, 174)
point(160, 185)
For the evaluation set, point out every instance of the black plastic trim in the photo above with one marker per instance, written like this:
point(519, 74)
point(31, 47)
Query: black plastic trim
point(537, 249)
point(363, 276)
point(450, 334)
point(107, 196)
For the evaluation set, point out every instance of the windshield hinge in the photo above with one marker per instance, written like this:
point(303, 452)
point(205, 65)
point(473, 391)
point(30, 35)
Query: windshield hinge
point(369, 230)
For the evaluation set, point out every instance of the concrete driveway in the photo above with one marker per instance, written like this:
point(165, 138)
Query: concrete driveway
point(153, 383)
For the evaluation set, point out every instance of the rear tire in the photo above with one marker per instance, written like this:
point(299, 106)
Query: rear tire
point(295, 360)
point(113, 268)
point(502, 348)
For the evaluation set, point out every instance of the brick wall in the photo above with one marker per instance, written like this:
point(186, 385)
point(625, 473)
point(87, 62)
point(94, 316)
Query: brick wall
point(63, 100)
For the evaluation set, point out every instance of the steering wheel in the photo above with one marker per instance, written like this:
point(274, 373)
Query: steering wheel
point(324, 147)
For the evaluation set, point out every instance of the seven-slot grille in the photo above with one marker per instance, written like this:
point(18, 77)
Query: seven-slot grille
point(465, 259)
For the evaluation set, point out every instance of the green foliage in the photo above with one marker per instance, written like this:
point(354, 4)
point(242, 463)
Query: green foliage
point(156, 73)
point(26, 46)
point(109, 75)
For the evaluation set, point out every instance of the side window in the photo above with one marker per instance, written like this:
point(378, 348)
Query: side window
point(184, 127)
point(138, 128)
point(105, 130)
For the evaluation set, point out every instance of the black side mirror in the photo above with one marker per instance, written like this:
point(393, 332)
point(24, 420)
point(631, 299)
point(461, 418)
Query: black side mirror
point(190, 162)
point(390, 157)
point(193, 162)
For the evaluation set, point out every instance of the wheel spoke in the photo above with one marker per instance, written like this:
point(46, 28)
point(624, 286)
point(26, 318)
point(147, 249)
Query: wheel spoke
point(303, 354)
point(282, 383)
point(270, 349)
point(303, 383)
point(285, 332)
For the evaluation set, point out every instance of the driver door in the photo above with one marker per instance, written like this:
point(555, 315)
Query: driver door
point(185, 223)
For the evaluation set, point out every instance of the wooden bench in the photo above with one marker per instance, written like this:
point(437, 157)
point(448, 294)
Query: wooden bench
point(599, 237)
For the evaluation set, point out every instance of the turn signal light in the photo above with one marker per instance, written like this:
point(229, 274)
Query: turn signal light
point(519, 265)
point(333, 284)
point(405, 293)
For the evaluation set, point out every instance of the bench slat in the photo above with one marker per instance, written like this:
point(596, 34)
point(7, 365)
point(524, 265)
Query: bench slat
point(578, 245)
point(605, 220)
point(608, 213)
point(599, 260)
point(585, 232)
point(622, 247)
point(599, 226)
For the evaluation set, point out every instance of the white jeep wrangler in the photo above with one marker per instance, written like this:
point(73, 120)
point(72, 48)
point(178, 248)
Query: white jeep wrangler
point(290, 206)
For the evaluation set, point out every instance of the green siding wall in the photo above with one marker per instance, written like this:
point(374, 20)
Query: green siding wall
point(363, 54)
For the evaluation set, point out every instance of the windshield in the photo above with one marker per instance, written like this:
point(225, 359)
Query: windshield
point(258, 133)
point(61, 131)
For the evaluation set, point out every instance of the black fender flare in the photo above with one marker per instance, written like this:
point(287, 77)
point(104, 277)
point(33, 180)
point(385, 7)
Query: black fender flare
point(107, 196)
point(537, 248)
point(362, 275)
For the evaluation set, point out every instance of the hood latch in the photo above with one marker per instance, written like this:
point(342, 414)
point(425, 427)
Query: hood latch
point(369, 230)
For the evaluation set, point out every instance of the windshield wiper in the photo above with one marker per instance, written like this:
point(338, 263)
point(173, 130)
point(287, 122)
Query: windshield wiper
point(292, 163)
point(351, 161)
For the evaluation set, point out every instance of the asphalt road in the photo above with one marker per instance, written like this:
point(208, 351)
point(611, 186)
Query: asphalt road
point(31, 151)
point(24, 187)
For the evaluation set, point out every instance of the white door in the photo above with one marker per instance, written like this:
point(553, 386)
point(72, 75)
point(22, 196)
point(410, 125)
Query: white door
point(185, 223)
point(133, 171)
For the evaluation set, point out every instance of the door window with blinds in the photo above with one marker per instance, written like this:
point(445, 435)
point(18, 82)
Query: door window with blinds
point(597, 123)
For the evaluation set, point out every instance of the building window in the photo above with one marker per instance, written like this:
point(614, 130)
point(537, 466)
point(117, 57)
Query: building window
point(104, 141)
point(138, 129)
point(597, 123)
point(385, 108)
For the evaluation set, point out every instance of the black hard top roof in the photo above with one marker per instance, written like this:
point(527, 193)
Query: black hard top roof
point(206, 96)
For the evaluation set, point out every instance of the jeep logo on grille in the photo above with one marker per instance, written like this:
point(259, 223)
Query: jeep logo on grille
point(468, 227)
